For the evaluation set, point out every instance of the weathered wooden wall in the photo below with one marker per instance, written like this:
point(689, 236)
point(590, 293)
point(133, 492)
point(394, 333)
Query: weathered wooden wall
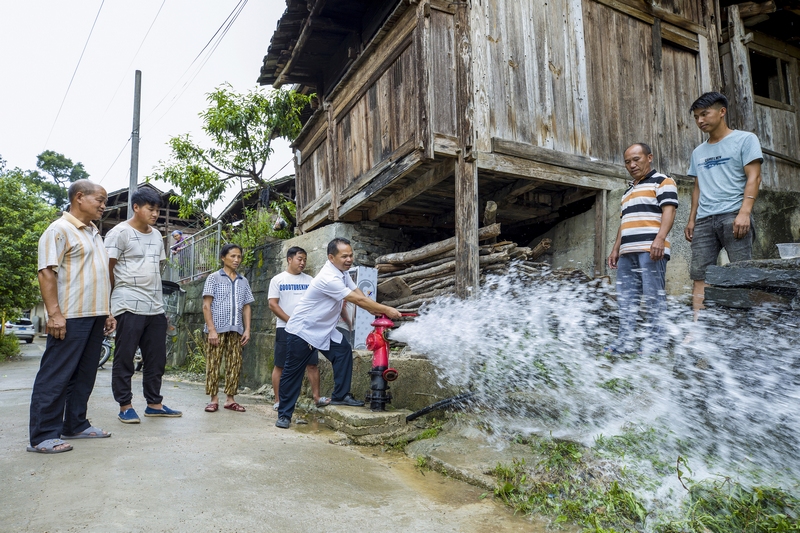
point(590, 77)
point(530, 74)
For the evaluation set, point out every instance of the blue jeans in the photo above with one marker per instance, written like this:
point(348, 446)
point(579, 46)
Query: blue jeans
point(639, 276)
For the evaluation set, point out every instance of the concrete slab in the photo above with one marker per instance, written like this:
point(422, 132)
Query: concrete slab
point(224, 471)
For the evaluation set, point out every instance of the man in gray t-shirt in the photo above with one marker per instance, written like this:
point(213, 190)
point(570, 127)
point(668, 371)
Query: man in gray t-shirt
point(135, 252)
point(727, 171)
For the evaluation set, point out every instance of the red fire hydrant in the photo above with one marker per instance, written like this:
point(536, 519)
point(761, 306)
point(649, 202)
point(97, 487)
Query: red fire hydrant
point(381, 374)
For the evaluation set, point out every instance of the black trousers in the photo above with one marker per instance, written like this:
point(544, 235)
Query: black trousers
point(148, 332)
point(298, 356)
point(65, 380)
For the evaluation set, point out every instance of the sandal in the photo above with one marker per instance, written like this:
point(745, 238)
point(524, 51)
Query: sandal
point(235, 407)
point(212, 408)
point(49, 446)
point(322, 402)
point(89, 433)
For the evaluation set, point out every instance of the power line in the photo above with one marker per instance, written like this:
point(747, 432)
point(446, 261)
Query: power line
point(134, 57)
point(115, 160)
point(238, 7)
point(73, 74)
point(197, 72)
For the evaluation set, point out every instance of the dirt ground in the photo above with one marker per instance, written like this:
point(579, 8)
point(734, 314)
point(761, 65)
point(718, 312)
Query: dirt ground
point(224, 471)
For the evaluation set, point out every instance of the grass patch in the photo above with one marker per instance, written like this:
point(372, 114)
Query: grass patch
point(196, 353)
point(587, 486)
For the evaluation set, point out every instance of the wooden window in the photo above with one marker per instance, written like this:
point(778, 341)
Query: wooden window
point(771, 78)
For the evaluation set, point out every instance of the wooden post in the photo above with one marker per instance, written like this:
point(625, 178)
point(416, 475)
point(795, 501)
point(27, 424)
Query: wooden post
point(600, 232)
point(466, 174)
point(742, 84)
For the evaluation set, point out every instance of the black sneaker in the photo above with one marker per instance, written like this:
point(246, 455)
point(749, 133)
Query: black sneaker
point(348, 400)
point(283, 422)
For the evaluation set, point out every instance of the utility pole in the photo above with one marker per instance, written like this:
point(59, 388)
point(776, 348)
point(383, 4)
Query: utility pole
point(137, 101)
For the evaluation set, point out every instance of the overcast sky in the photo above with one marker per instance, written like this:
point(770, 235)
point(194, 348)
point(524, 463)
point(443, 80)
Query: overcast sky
point(40, 45)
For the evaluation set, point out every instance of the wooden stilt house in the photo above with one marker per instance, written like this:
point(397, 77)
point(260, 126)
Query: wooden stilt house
point(427, 109)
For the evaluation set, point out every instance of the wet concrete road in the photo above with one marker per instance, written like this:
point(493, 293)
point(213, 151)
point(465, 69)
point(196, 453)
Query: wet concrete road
point(224, 471)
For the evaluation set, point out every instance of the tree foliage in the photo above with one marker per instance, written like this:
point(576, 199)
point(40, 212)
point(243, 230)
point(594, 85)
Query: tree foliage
point(56, 173)
point(23, 218)
point(241, 128)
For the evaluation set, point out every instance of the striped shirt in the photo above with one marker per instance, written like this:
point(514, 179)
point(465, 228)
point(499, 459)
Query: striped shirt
point(642, 205)
point(76, 254)
point(228, 297)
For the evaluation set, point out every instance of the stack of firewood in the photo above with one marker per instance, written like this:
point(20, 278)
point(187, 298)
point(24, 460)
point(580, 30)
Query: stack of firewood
point(408, 280)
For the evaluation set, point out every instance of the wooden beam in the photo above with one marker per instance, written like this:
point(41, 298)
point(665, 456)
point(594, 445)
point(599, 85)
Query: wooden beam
point(509, 193)
point(367, 177)
point(297, 50)
point(387, 176)
point(467, 266)
point(534, 170)
point(559, 159)
point(395, 219)
point(779, 155)
point(742, 82)
point(600, 233)
point(445, 145)
point(419, 185)
point(424, 131)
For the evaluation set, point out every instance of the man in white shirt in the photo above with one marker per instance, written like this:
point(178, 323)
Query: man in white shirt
point(285, 291)
point(313, 325)
point(135, 252)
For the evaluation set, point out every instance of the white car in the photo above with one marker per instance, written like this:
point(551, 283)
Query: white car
point(22, 328)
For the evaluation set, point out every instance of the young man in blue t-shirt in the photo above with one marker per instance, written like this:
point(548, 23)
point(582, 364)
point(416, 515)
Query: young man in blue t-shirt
point(727, 168)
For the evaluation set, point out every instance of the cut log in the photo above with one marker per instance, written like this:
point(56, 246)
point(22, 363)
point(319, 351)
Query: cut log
point(447, 267)
point(392, 289)
point(425, 284)
point(385, 268)
point(417, 268)
point(435, 248)
point(490, 217)
point(415, 297)
point(540, 249)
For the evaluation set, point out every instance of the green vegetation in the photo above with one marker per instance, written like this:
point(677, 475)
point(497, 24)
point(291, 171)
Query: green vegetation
point(241, 128)
point(196, 353)
point(260, 224)
point(587, 486)
point(9, 347)
point(23, 218)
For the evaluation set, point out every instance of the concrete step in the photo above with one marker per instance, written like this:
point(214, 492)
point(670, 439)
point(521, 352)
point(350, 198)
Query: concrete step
point(363, 426)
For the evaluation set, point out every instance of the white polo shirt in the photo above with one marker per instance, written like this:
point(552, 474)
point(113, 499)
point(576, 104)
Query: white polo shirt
point(315, 317)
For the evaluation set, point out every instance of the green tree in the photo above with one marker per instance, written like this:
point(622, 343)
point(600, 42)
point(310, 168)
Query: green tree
point(56, 173)
point(241, 128)
point(23, 218)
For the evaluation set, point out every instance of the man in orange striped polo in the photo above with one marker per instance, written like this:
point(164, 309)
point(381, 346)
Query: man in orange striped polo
point(641, 252)
point(73, 278)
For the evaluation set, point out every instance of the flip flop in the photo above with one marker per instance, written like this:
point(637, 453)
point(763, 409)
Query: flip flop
point(323, 401)
point(49, 446)
point(89, 433)
point(235, 407)
point(212, 408)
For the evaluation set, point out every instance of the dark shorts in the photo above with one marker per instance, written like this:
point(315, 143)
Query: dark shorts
point(281, 348)
point(712, 234)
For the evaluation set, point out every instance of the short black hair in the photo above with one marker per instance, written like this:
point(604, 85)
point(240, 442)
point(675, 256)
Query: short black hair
point(333, 246)
point(645, 148)
point(712, 99)
point(227, 248)
point(293, 251)
point(146, 196)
